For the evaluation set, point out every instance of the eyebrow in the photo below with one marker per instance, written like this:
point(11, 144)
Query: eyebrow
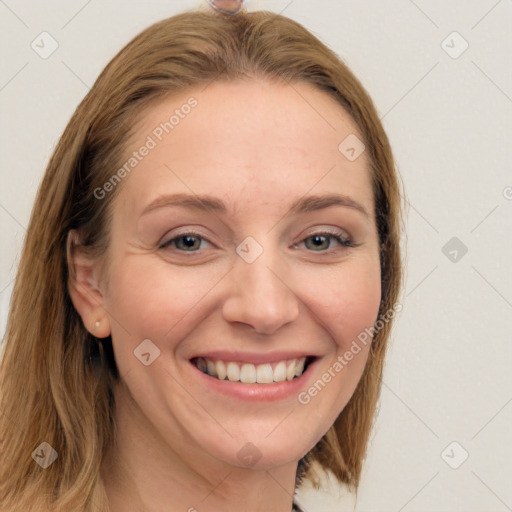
point(212, 204)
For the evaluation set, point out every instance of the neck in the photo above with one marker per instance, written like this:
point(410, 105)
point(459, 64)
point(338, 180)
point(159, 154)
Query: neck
point(141, 471)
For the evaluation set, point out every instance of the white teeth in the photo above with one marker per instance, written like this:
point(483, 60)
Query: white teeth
point(280, 372)
point(290, 370)
point(300, 367)
point(249, 373)
point(233, 371)
point(265, 375)
point(221, 370)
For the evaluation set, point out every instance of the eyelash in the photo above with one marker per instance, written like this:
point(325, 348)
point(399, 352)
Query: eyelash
point(338, 236)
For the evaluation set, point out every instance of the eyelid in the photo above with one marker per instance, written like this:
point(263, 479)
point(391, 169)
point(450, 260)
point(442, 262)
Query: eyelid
point(327, 230)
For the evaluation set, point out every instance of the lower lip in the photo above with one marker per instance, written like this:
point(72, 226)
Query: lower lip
point(257, 392)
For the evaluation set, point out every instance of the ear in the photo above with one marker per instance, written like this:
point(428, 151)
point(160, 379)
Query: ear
point(83, 287)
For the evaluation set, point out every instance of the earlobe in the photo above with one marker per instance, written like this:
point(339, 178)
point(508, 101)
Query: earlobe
point(83, 287)
point(101, 328)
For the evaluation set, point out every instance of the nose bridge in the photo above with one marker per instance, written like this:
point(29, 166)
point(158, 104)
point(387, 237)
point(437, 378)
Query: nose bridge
point(260, 278)
point(259, 295)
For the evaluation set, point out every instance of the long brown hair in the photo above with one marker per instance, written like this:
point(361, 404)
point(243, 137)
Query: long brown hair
point(56, 379)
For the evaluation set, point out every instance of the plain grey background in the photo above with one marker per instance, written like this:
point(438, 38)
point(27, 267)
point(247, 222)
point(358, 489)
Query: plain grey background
point(440, 75)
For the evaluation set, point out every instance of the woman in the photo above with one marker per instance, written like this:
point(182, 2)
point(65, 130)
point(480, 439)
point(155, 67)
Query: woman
point(208, 280)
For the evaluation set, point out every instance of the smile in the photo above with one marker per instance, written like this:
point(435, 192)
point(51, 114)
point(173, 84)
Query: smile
point(248, 373)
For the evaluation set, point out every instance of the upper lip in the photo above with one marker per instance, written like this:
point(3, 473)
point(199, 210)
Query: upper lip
point(253, 358)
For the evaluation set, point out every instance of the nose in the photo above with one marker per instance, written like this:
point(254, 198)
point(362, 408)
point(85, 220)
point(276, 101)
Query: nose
point(259, 294)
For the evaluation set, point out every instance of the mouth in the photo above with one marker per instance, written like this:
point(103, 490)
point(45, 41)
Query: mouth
point(249, 373)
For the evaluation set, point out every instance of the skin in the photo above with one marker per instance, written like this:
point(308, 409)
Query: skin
point(257, 146)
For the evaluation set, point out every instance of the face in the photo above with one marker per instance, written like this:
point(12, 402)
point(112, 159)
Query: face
point(251, 279)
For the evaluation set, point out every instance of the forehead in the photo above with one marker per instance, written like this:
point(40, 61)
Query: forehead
point(249, 142)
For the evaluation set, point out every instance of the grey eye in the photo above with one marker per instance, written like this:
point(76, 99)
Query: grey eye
point(187, 242)
point(319, 242)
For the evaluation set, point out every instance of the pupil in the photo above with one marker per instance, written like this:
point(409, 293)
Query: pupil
point(189, 241)
point(319, 240)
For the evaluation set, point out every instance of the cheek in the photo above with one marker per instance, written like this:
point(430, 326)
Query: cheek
point(148, 299)
point(348, 301)
point(346, 305)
